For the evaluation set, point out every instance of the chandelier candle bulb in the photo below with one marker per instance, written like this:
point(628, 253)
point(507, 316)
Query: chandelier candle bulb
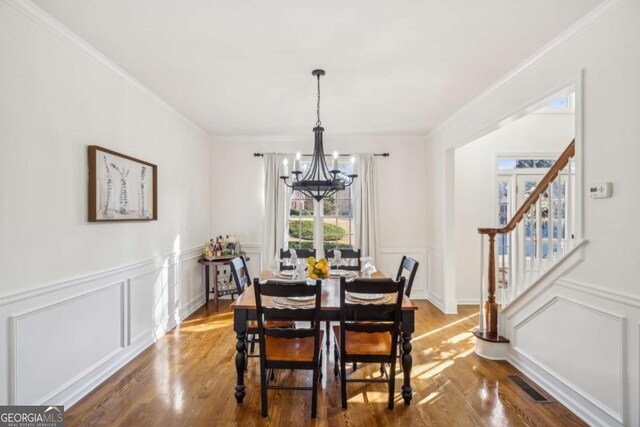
point(285, 167)
point(296, 163)
point(334, 165)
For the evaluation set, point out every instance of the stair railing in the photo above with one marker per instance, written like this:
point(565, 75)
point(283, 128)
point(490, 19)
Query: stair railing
point(549, 208)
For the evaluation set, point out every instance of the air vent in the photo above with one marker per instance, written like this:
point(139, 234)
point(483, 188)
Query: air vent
point(524, 385)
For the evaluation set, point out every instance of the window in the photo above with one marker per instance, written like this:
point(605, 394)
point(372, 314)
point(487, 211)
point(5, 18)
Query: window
point(565, 104)
point(510, 164)
point(516, 179)
point(300, 221)
point(335, 212)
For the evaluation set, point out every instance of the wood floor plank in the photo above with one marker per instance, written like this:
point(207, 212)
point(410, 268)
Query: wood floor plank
point(187, 379)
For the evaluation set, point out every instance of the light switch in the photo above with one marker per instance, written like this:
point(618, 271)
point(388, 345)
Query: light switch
point(600, 190)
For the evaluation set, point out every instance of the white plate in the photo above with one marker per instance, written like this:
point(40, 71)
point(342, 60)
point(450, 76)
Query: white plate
point(307, 298)
point(342, 273)
point(367, 296)
point(287, 273)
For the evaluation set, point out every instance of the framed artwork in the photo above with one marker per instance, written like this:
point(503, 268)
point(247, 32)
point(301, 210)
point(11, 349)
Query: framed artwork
point(121, 188)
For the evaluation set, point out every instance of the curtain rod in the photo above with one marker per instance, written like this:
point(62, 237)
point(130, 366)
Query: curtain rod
point(328, 155)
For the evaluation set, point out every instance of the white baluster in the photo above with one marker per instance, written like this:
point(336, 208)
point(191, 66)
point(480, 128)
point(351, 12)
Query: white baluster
point(501, 270)
point(560, 218)
point(550, 225)
point(539, 234)
point(529, 258)
point(510, 276)
point(516, 262)
point(482, 283)
point(569, 209)
point(523, 257)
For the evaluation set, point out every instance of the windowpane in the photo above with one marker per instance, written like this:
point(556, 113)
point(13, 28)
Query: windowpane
point(504, 213)
point(562, 102)
point(510, 164)
point(300, 221)
point(337, 218)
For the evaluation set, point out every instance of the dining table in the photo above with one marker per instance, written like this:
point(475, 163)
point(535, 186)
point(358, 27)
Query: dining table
point(244, 309)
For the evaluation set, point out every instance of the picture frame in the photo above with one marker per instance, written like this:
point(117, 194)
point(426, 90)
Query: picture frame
point(121, 187)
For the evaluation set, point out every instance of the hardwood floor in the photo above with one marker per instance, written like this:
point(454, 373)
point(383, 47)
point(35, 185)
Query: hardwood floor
point(187, 379)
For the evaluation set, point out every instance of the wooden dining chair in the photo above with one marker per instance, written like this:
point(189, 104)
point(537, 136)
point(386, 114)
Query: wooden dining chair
point(241, 277)
point(409, 265)
point(302, 254)
point(288, 348)
point(350, 255)
point(368, 342)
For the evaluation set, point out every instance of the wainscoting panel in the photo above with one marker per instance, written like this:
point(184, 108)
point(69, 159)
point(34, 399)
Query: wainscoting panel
point(579, 342)
point(55, 345)
point(435, 282)
point(257, 262)
point(390, 262)
point(141, 303)
point(191, 293)
point(547, 342)
point(64, 338)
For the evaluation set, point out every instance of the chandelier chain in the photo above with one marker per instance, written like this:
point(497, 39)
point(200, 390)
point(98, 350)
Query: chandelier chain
point(318, 122)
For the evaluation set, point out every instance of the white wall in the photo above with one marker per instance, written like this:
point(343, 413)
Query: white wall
point(402, 204)
point(604, 46)
point(82, 298)
point(475, 185)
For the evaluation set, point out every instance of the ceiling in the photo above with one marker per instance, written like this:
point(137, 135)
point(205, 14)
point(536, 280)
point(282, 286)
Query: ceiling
point(244, 67)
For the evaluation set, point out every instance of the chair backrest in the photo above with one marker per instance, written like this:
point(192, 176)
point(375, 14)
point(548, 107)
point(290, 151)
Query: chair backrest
point(240, 273)
point(411, 266)
point(272, 311)
point(351, 311)
point(347, 254)
point(302, 254)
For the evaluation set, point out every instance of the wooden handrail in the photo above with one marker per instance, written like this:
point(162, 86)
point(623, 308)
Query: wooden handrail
point(560, 164)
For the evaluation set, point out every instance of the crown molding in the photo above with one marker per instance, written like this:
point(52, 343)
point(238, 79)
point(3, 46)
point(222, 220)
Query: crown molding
point(583, 24)
point(46, 21)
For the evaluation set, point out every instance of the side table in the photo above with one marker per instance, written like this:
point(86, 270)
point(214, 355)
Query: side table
point(213, 265)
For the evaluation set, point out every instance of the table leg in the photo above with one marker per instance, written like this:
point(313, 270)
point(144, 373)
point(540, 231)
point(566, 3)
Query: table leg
point(240, 326)
point(328, 332)
point(407, 362)
point(215, 284)
point(408, 327)
point(206, 284)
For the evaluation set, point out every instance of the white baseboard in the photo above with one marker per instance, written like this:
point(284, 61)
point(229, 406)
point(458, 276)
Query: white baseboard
point(72, 395)
point(468, 301)
point(580, 406)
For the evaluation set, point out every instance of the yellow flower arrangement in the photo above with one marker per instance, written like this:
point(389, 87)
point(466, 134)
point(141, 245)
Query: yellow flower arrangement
point(319, 269)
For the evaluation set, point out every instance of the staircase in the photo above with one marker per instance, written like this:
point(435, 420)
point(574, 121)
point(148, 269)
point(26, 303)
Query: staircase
point(537, 237)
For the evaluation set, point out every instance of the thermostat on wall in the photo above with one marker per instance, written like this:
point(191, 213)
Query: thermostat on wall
point(600, 190)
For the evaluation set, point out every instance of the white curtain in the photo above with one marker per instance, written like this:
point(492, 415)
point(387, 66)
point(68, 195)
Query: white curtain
point(276, 201)
point(364, 203)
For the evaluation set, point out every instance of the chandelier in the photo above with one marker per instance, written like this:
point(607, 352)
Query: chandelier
point(317, 181)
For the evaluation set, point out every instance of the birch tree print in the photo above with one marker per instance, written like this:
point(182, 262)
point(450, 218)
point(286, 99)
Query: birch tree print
point(109, 189)
point(124, 196)
point(143, 196)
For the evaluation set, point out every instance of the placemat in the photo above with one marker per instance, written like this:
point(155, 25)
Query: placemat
point(293, 303)
point(349, 275)
point(383, 300)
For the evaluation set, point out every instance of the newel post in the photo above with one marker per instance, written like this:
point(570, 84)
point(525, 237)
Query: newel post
point(490, 306)
point(489, 336)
